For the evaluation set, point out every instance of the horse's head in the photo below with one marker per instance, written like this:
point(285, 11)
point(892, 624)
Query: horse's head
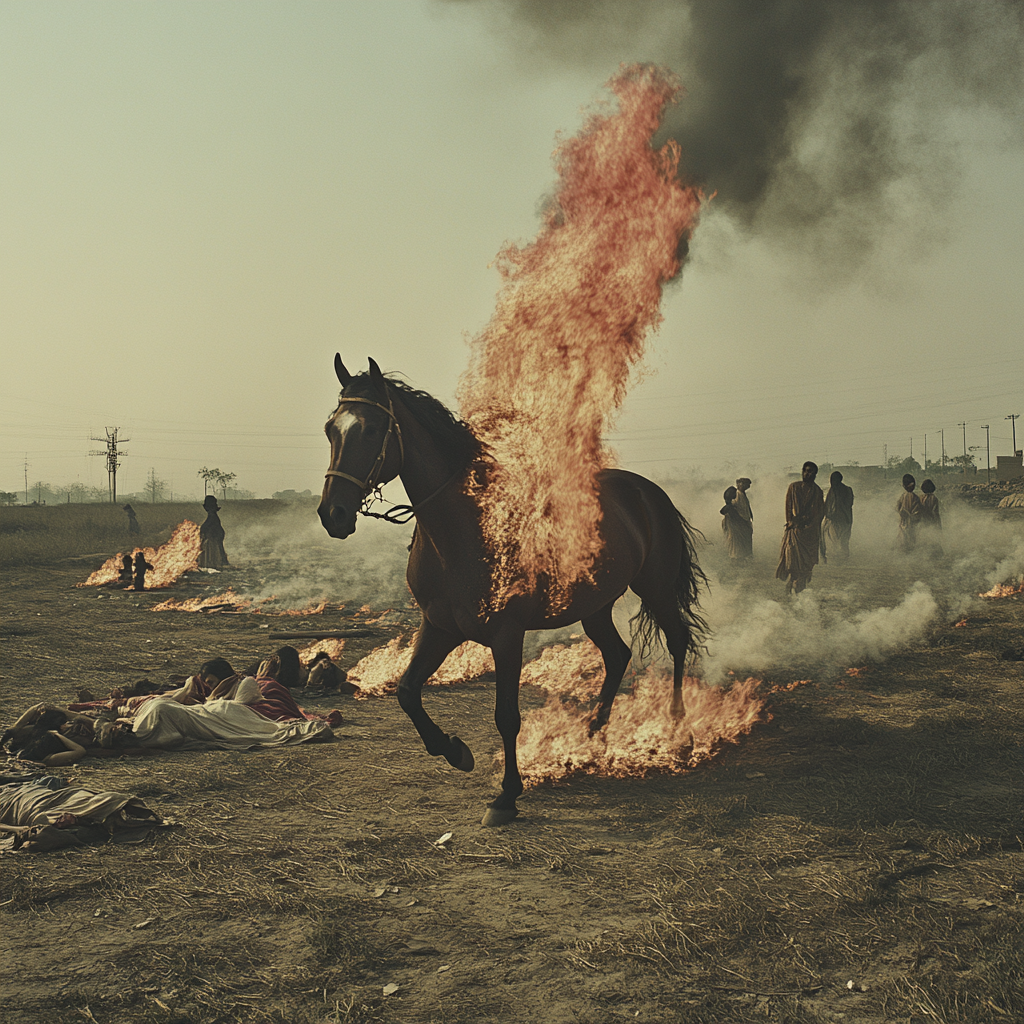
point(366, 447)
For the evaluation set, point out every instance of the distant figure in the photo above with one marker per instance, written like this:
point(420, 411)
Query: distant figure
point(805, 507)
point(909, 509)
point(133, 522)
point(211, 537)
point(742, 504)
point(738, 531)
point(141, 565)
point(931, 521)
point(127, 574)
point(838, 522)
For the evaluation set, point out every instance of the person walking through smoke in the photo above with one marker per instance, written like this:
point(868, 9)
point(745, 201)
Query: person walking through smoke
point(838, 522)
point(133, 522)
point(909, 508)
point(737, 530)
point(805, 508)
point(931, 521)
point(211, 537)
point(742, 504)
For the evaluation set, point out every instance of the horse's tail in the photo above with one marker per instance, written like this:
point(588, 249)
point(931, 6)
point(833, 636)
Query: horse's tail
point(690, 580)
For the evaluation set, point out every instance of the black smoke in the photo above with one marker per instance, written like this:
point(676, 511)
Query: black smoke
point(821, 121)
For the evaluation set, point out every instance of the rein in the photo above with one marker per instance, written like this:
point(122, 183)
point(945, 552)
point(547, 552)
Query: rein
point(397, 514)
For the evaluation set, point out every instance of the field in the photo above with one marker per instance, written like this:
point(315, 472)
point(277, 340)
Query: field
point(857, 858)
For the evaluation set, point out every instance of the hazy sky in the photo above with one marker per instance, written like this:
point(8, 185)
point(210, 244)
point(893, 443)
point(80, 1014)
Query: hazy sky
point(202, 202)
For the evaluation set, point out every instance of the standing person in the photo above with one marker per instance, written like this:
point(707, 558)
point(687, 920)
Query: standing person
point(141, 565)
point(126, 574)
point(909, 508)
point(805, 507)
point(133, 522)
point(211, 537)
point(931, 521)
point(742, 504)
point(838, 522)
point(737, 530)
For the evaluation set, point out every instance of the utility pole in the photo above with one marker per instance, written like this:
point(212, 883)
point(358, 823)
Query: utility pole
point(942, 435)
point(112, 456)
point(988, 459)
point(885, 462)
point(964, 425)
point(926, 453)
point(26, 478)
point(1013, 417)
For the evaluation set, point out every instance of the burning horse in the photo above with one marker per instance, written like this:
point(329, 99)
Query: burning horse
point(383, 428)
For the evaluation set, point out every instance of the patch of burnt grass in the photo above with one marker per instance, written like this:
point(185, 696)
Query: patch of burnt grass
point(344, 934)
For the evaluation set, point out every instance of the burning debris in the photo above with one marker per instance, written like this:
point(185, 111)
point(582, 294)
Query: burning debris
point(332, 648)
point(170, 561)
point(230, 603)
point(570, 323)
point(1004, 590)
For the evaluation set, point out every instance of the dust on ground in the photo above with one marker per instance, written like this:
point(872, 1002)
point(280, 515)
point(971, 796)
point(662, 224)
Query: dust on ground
point(870, 833)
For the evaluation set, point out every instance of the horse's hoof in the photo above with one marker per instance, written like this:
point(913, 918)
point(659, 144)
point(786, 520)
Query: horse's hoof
point(498, 816)
point(461, 756)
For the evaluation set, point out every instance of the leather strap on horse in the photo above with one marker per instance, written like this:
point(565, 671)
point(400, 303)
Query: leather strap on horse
point(397, 514)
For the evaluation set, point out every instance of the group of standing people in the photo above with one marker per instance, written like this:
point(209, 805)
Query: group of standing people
point(817, 523)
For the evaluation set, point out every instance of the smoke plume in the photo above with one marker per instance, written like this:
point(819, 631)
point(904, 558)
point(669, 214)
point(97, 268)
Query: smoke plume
point(820, 121)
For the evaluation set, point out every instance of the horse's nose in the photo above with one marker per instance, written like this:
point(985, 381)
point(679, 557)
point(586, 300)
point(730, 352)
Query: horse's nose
point(338, 520)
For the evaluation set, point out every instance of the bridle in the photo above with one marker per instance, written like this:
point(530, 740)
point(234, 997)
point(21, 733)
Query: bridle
point(372, 481)
point(398, 514)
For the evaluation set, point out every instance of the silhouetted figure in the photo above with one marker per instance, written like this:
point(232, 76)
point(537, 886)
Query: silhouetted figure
point(211, 537)
point(738, 531)
point(838, 522)
point(133, 522)
point(931, 521)
point(141, 565)
point(742, 503)
point(805, 508)
point(909, 508)
point(127, 574)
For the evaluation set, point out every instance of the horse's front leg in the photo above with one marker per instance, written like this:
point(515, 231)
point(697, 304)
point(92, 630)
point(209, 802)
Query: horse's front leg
point(432, 646)
point(508, 665)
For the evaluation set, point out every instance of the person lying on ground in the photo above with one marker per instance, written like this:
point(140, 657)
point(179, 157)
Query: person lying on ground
point(220, 724)
point(325, 675)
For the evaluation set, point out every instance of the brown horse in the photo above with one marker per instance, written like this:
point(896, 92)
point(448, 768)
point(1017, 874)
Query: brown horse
point(383, 428)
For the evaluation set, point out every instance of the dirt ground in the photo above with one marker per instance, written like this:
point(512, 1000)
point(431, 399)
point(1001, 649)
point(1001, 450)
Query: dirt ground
point(858, 858)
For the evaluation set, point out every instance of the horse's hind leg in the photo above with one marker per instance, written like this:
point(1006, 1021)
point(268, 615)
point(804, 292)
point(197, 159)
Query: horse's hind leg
point(665, 613)
point(616, 654)
point(433, 645)
point(508, 666)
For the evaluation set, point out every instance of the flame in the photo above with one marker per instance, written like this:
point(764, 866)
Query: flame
point(575, 671)
point(333, 647)
point(571, 319)
point(1004, 590)
point(855, 671)
point(378, 673)
point(229, 601)
point(171, 560)
point(963, 622)
point(643, 734)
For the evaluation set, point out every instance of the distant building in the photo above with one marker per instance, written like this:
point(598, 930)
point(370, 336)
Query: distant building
point(1010, 467)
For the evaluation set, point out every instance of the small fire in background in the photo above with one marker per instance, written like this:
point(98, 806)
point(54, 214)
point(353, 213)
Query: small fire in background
point(962, 622)
point(571, 320)
point(378, 673)
point(332, 647)
point(170, 561)
point(1004, 590)
point(230, 603)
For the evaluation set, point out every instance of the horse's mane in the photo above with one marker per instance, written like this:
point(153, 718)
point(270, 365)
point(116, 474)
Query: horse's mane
point(452, 435)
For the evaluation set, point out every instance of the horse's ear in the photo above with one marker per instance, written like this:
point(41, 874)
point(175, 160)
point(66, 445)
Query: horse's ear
point(339, 368)
point(376, 376)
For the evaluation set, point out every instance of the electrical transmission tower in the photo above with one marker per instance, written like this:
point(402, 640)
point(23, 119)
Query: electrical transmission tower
point(112, 455)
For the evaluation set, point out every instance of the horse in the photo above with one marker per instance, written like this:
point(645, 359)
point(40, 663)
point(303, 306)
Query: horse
point(383, 428)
